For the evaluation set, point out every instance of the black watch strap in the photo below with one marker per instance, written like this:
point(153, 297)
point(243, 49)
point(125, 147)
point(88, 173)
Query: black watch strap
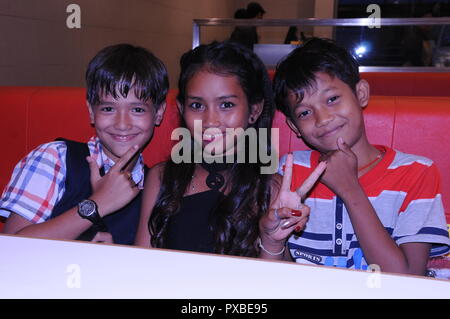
point(88, 209)
point(100, 225)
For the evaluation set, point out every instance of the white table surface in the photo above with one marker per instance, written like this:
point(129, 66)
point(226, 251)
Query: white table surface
point(43, 268)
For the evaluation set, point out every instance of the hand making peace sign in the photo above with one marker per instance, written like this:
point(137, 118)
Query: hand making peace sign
point(287, 212)
point(116, 188)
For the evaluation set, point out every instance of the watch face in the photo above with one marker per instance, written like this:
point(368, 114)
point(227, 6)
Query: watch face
point(87, 208)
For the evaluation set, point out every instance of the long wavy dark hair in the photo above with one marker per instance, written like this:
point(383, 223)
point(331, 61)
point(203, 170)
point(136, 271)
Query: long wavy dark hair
point(235, 220)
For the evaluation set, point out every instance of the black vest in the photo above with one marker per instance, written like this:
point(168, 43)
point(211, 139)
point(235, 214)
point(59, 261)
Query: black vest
point(121, 224)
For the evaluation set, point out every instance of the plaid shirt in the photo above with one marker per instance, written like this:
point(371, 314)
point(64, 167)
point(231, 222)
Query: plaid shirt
point(38, 180)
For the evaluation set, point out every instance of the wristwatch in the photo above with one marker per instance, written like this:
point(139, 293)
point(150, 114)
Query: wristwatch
point(88, 209)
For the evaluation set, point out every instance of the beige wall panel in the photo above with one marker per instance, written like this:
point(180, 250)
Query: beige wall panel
point(21, 40)
point(37, 35)
point(325, 9)
point(19, 76)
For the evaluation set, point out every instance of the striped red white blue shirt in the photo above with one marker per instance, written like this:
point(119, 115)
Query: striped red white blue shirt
point(403, 189)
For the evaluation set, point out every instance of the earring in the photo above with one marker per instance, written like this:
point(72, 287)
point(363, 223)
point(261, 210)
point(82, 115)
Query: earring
point(252, 119)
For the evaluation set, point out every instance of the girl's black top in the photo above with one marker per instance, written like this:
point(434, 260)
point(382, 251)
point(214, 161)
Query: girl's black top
point(191, 229)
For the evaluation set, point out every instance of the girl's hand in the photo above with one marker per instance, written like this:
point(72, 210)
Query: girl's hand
point(288, 213)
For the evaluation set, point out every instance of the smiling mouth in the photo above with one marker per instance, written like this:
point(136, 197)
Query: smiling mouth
point(123, 138)
point(211, 137)
point(331, 132)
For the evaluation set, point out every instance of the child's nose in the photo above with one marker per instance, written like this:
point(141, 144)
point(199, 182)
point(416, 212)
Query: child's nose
point(123, 121)
point(212, 118)
point(323, 117)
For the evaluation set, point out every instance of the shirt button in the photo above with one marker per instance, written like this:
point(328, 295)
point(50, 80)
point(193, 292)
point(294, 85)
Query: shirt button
point(339, 226)
point(338, 241)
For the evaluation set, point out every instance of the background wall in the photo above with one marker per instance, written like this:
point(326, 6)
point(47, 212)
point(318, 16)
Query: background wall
point(37, 47)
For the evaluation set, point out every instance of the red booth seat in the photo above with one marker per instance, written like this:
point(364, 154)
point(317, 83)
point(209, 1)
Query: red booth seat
point(34, 115)
point(406, 83)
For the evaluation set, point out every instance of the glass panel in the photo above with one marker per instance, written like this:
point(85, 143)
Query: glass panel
point(422, 45)
point(397, 43)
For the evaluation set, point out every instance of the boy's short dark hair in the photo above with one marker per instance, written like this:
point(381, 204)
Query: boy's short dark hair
point(297, 71)
point(118, 68)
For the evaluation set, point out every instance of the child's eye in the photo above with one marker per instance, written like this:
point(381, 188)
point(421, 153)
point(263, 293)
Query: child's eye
point(332, 99)
point(107, 109)
point(304, 114)
point(227, 105)
point(195, 106)
point(138, 110)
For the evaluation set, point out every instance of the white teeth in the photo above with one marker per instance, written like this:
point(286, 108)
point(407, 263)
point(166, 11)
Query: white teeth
point(123, 137)
point(210, 137)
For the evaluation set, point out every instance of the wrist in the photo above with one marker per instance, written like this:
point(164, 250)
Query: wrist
point(270, 243)
point(271, 250)
point(88, 209)
point(102, 207)
point(348, 189)
point(351, 192)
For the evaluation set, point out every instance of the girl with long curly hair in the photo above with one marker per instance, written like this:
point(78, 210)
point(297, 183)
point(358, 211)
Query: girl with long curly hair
point(214, 206)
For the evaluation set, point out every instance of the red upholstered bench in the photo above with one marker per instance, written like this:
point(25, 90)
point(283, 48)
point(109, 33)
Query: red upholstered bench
point(408, 83)
point(405, 83)
point(34, 115)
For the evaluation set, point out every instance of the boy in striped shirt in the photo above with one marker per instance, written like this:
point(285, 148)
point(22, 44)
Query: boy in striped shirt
point(70, 190)
point(372, 205)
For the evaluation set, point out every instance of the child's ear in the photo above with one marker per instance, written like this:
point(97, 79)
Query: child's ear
point(160, 114)
point(255, 112)
point(91, 113)
point(293, 127)
point(363, 92)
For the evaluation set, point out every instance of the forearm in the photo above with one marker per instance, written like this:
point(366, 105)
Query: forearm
point(378, 246)
point(149, 198)
point(68, 226)
point(143, 238)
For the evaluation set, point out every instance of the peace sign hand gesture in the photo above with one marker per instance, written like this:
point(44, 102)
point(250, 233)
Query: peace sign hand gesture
point(288, 213)
point(116, 189)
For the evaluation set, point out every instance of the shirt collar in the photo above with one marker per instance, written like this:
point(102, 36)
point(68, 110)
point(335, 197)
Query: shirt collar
point(97, 152)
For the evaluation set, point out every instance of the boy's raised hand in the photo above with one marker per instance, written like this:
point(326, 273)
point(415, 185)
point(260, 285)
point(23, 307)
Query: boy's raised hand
point(116, 188)
point(287, 212)
point(342, 168)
